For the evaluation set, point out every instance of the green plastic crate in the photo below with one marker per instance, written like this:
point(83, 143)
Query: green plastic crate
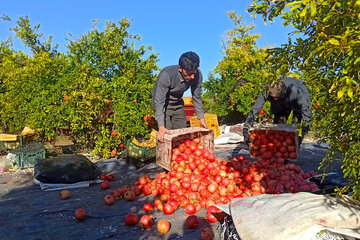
point(26, 155)
point(140, 153)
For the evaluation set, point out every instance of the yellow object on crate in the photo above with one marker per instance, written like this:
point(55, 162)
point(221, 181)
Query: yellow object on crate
point(10, 141)
point(148, 143)
point(8, 137)
point(211, 122)
point(142, 151)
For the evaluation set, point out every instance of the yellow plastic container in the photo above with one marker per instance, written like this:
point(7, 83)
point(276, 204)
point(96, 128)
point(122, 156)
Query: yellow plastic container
point(187, 100)
point(211, 122)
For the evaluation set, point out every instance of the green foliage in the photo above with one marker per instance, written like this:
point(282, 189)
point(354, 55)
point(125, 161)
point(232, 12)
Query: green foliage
point(242, 59)
point(29, 91)
point(102, 83)
point(104, 143)
point(30, 37)
point(326, 50)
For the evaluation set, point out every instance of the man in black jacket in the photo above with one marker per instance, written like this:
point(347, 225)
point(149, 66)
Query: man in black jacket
point(286, 95)
point(168, 91)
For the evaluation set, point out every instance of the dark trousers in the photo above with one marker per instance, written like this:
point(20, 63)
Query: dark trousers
point(281, 117)
point(175, 118)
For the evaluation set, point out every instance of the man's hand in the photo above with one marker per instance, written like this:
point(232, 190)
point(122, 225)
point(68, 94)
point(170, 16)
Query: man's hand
point(246, 136)
point(161, 132)
point(203, 123)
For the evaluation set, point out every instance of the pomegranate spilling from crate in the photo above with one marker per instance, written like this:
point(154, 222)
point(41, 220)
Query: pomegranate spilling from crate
point(198, 179)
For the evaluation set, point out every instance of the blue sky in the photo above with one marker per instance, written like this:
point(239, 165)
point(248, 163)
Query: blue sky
point(171, 28)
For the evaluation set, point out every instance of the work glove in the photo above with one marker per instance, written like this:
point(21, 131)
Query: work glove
point(246, 136)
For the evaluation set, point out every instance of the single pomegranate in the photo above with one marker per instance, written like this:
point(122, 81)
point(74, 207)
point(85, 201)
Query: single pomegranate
point(80, 214)
point(131, 219)
point(64, 194)
point(163, 226)
point(192, 221)
point(148, 207)
point(129, 195)
point(146, 222)
point(109, 199)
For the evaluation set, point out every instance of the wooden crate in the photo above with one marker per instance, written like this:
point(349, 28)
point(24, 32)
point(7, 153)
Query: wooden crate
point(177, 137)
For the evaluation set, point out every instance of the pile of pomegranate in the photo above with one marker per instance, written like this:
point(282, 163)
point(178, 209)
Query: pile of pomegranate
point(200, 180)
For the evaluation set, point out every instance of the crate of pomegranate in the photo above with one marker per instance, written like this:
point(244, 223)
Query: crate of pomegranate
point(181, 139)
point(274, 141)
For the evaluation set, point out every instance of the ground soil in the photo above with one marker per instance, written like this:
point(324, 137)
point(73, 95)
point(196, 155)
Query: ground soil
point(27, 212)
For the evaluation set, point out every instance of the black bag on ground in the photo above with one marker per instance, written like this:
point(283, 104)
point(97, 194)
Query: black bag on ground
point(67, 168)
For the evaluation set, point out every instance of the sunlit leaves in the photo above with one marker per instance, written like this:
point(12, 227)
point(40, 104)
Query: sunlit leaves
point(242, 59)
point(87, 92)
point(333, 41)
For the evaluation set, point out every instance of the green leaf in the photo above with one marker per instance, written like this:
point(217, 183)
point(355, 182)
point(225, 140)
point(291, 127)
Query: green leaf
point(340, 93)
point(333, 41)
point(303, 12)
point(332, 87)
point(350, 93)
point(295, 7)
point(312, 9)
point(357, 60)
point(293, 3)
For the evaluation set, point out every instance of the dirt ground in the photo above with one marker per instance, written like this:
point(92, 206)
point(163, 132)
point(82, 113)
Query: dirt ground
point(27, 212)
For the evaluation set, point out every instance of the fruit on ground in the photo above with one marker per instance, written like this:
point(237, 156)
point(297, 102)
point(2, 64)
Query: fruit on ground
point(148, 207)
point(129, 195)
point(64, 194)
point(110, 177)
point(80, 214)
point(105, 185)
point(109, 199)
point(131, 219)
point(163, 226)
point(146, 222)
point(192, 221)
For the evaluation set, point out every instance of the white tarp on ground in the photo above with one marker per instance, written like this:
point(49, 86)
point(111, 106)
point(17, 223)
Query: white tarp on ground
point(293, 216)
point(229, 137)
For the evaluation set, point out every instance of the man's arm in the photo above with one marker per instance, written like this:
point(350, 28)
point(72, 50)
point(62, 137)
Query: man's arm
point(305, 103)
point(161, 90)
point(196, 92)
point(306, 112)
point(260, 101)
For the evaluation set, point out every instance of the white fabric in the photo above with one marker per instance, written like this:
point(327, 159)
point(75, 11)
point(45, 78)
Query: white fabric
point(293, 216)
point(229, 137)
point(62, 186)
